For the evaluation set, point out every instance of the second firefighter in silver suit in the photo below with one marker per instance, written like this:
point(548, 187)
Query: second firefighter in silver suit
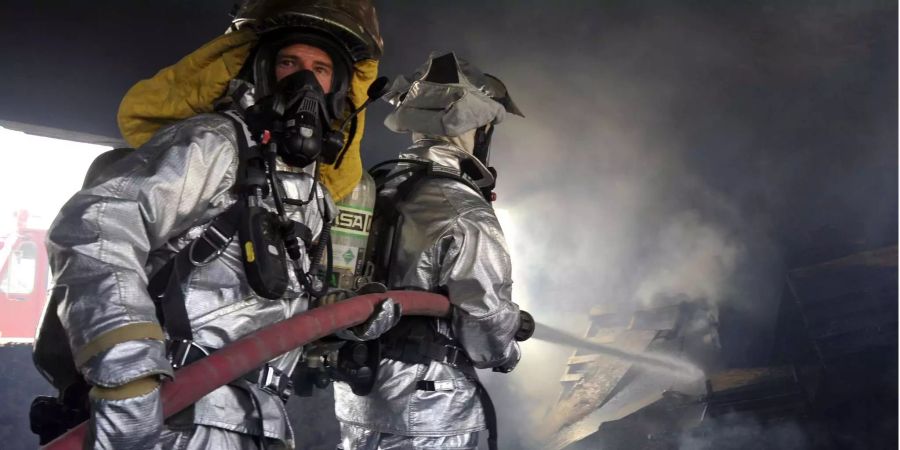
point(451, 242)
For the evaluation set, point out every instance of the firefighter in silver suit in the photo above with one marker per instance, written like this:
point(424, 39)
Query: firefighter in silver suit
point(144, 208)
point(443, 237)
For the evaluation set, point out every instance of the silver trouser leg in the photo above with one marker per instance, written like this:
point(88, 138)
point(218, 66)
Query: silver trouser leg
point(467, 441)
point(358, 438)
point(202, 437)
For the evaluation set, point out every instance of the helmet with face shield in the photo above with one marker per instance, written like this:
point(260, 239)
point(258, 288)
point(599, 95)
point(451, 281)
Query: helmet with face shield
point(345, 29)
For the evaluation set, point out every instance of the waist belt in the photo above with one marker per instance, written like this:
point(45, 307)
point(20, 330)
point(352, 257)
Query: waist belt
point(415, 351)
point(265, 377)
point(415, 340)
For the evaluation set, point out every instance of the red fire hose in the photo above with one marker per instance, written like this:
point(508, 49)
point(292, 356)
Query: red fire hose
point(240, 357)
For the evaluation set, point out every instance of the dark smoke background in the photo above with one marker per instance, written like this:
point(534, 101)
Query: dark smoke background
point(696, 147)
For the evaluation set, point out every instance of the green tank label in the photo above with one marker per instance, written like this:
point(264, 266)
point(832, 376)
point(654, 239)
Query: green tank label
point(346, 257)
point(354, 221)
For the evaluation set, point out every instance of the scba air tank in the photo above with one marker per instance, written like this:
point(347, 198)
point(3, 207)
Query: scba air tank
point(350, 234)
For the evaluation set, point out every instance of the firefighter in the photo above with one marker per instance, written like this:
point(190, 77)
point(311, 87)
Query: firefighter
point(435, 230)
point(152, 267)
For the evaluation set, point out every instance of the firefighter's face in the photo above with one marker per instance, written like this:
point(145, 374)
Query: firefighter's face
point(297, 57)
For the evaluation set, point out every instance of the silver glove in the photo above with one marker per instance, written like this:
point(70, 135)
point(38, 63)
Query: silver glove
point(386, 315)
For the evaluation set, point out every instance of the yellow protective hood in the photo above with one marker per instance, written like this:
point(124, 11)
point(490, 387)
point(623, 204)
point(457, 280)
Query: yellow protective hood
point(192, 85)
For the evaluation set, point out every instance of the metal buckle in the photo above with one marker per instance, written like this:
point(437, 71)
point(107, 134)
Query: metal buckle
point(275, 381)
point(287, 391)
point(266, 378)
point(453, 355)
point(180, 351)
point(220, 247)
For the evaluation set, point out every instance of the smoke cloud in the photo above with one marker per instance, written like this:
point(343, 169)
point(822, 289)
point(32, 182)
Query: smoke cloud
point(671, 151)
point(740, 432)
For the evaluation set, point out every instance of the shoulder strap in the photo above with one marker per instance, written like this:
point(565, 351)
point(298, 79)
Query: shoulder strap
point(166, 286)
point(418, 171)
point(251, 165)
point(387, 222)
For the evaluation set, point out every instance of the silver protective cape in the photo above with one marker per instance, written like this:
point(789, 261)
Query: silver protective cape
point(450, 242)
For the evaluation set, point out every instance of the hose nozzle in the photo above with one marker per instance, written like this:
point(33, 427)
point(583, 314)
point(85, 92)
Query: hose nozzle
point(526, 326)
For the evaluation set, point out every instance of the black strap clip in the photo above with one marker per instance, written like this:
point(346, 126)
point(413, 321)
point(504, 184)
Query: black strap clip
point(183, 352)
point(443, 353)
point(455, 356)
point(425, 385)
point(274, 381)
point(216, 242)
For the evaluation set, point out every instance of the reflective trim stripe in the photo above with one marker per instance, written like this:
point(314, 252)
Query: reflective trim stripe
point(136, 388)
point(131, 332)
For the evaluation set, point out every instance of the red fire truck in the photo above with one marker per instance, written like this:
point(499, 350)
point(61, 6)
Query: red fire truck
point(24, 279)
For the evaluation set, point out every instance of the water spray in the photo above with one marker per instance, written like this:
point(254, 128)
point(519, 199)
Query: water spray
point(678, 368)
point(681, 369)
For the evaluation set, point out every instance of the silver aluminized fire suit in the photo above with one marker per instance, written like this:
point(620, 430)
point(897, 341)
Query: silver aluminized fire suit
point(110, 236)
point(450, 241)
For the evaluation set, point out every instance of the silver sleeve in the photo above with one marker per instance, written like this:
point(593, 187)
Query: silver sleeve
point(99, 245)
point(133, 423)
point(475, 269)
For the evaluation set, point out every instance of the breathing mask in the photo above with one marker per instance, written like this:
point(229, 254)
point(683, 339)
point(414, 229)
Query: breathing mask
point(298, 120)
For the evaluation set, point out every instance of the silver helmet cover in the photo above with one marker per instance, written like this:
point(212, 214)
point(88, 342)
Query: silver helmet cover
point(447, 96)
